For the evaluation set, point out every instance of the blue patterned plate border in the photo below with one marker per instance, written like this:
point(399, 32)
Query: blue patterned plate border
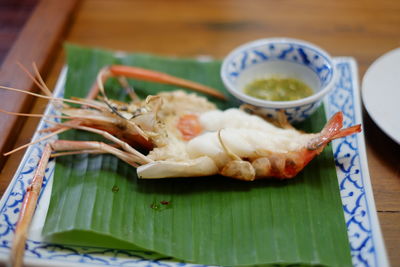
point(366, 242)
point(365, 237)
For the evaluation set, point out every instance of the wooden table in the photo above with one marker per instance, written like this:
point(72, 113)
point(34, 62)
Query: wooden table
point(361, 29)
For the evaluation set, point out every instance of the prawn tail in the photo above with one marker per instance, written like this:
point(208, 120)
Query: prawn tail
point(332, 130)
point(288, 165)
point(347, 131)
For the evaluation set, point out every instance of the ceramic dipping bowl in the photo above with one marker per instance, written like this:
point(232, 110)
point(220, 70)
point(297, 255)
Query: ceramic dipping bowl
point(283, 57)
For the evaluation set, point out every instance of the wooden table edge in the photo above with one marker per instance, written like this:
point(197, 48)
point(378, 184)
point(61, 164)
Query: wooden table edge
point(38, 41)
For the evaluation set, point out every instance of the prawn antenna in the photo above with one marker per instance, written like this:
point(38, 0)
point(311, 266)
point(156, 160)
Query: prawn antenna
point(33, 115)
point(39, 82)
point(51, 98)
point(37, 140)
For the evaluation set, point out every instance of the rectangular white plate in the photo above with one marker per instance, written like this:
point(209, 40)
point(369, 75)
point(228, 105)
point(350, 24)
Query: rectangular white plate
point(367, 247)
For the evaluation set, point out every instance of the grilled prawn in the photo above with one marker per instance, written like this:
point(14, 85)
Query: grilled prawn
point(185, 135)
point(188, 136)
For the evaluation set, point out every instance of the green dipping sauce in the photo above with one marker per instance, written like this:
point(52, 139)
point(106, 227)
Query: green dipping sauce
point(278, 89)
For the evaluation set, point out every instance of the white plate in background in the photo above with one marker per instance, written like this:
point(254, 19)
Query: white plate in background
point(381, 93)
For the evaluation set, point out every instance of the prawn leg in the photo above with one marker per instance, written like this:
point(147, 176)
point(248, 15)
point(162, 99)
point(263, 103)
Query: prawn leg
point(147, 75)
point(27, 210)
point(33, 191)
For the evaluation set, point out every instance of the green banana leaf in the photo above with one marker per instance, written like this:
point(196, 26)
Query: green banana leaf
point(98, 199)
